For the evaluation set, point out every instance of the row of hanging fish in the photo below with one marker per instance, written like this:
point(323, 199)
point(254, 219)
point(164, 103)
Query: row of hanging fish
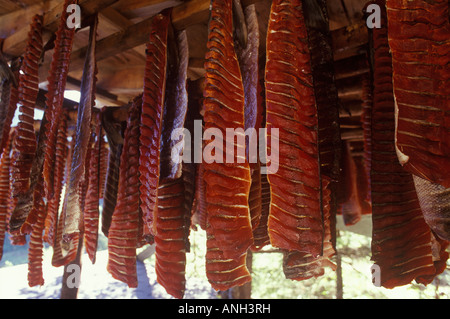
point(51, 184)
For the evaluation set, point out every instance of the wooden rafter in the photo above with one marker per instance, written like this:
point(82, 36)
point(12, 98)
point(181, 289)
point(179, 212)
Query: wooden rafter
point(127, 23)
point(14, 45)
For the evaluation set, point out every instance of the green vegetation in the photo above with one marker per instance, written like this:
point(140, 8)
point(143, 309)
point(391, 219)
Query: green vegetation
point(354, 249)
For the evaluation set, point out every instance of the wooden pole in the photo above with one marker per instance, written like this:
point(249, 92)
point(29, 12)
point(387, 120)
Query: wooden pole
point(72, 274)
point(339, 281)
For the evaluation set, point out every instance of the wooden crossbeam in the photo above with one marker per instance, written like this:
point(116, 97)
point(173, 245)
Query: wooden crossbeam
point(183, 16)
point(14, 45)
point(14, 21)
point(189, 13)
point(346, 41)
point(350, 67)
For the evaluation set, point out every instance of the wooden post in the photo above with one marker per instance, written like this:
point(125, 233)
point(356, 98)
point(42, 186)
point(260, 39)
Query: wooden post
point(69, 288)
point(339, 281)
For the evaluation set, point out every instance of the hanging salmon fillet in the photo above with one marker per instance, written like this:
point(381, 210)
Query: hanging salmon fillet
point(36, 245)
point(298, 265)
point(295, 220)
point(5, 163)
point(171, 239)
point(104, 155)
point(419, 38)
point(401, 240)
point(61, 154)
point(227, 182)
point(172, 219)
point(190, 167)
point(114, 133)
point(74, 201)
point(8, 102)
point(56, 85)
point(152, 115)
point(249, 61)
point(24, 204)
point(329, 135)
point(124, 230)
point(224, 273)
point(28, 91)
point(58, 259)
point(260, 233)
point(91, 202)
point(366, 123)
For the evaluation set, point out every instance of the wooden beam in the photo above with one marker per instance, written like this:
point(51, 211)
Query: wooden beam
point(350, 88)
point(119, 22)
point(106, 47)
point(135, 35)
point(116, 18)
point(352, 135)
point(14, 45)
point(8, 6)
point(350, 94)
point(130, 5)
point(101, 95)
point(336, 14)
point(354, 9)
point(14, 21)
point(350, 67)
point(349, 41)
point(350, 109)
point(189, 13)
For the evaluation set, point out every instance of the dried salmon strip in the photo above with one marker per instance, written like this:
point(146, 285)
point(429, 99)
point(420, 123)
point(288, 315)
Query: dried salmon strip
point(60, 168)
point(124, 231)
point(172, 219)
point(227, 184)
point(36, 245)
point(92, 198)
point(260, 233)
point(8, 102)
point(58, 259)
point(224, 273)
point(103, 162)
point(171, 239)
point(24, 202)
point(249, 61)
point(26, 143)
point(152, 115)
point(419, 38)
point(298, 265)
point(175, 107)
point(114, 133)
point(295, 220)
point(401, 240)
point(366, 125)
point(5, 164)
point(329, 136)
point(74, 201)
point(56, 84)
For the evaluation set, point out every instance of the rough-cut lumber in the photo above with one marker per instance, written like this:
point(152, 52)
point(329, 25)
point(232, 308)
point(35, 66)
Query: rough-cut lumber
point(14, 45)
